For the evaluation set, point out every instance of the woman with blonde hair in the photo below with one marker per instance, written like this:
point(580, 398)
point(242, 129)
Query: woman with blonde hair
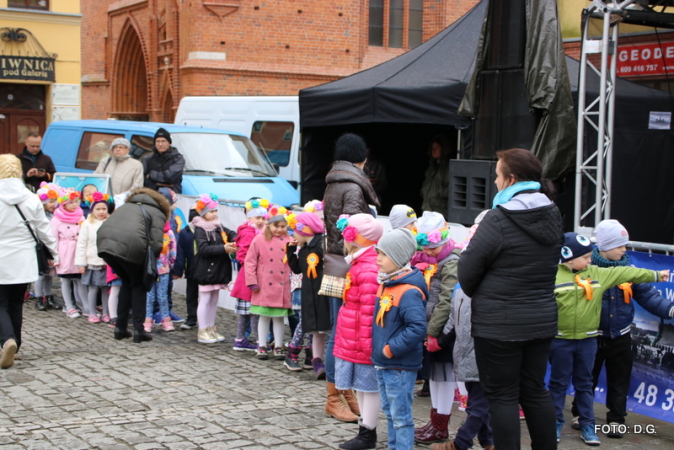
point(18, 259)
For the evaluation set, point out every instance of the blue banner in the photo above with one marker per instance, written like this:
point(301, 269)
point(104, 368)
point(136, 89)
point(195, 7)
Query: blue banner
point(652, 387)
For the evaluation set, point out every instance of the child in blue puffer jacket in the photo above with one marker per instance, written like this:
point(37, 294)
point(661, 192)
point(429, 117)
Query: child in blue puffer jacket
point(617, 314)
point(398, 333)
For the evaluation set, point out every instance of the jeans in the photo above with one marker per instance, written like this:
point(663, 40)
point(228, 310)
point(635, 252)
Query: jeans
point(616, 354)
point(477, 422)
point(396, 390)
point(573, 358)
point(159, 295)
point(11, 312)
point(513, 372)
point(335, 305)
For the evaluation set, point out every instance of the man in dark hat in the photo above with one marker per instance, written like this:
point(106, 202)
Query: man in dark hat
point(164, 168)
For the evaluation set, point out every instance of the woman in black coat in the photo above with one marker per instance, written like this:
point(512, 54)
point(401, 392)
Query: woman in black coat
point(509, 269)
point(122, 242)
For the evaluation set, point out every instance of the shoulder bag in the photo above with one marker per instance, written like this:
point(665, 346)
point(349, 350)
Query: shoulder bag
point(41, 250)
point(335, 268)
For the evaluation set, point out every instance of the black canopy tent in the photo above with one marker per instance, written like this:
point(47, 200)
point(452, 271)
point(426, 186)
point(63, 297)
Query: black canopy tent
point(399, 105)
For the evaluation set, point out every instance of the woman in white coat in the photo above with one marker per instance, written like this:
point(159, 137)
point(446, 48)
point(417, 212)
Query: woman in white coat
point(18, 260)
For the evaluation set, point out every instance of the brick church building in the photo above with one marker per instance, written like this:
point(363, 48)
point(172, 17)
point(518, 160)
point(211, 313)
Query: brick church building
point(140, 57)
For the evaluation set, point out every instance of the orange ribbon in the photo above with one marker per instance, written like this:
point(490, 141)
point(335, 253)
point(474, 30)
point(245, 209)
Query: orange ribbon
point(312, 262)
point(429, 272)
point(179, 224)
point(627, 291)
point(347, 286)
point(166, 243)
point(224, 237)
point(385, 303)
point(586, 285)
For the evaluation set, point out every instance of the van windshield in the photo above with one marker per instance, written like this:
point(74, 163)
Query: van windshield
point(221, 154)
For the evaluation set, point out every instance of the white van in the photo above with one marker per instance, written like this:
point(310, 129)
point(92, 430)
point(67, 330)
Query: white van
point(272, 123)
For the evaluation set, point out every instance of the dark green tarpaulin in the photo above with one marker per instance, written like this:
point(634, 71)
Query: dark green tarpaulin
point(547, 84)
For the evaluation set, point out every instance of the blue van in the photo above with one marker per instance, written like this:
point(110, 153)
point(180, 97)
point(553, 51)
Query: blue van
point(224, 163)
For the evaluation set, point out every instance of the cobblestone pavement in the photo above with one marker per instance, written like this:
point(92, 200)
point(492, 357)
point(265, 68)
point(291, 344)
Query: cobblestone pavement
point(77, 388)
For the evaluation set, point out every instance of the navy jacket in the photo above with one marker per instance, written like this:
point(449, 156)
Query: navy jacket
point(617, 316)
point(185, 254)
point(404, 327)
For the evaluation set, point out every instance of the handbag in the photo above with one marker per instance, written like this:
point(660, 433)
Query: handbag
point(41, 250)
point(335, 268)
point(150, 265)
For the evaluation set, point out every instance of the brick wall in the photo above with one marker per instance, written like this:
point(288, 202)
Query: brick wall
point(270, 48)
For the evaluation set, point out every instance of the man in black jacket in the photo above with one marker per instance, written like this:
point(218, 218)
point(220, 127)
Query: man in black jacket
point(37, 167)
point(164, 168)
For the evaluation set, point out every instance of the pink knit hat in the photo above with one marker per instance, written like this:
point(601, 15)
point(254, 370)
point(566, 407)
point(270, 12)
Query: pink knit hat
point(307, 224)
point(361, 230)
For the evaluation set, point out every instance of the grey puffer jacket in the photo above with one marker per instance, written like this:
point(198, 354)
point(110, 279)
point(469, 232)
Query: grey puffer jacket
point(465, 366)
point(348, 192)
point(122, 237)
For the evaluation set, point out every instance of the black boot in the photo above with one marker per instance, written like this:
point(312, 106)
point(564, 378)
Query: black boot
point(366, 439)
point(41, 303)
point(51, 303)
point(140, 336)
point(121, 333)
point(308, 356)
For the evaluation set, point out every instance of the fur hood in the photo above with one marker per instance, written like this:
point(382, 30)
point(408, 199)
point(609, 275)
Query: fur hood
point(146, 196)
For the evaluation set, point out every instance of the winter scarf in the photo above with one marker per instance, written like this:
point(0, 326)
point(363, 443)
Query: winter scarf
point(421, 257)
point(76, 216)
point(600, 261)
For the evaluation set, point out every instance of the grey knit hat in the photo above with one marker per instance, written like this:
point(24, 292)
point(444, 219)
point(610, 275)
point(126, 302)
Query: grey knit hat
point(120, 141)
point(401, 215)
point(399, 245)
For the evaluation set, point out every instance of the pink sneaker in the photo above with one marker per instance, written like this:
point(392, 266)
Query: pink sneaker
point(105, 318)
point(167, 324)
point(147, 325)
point(521, 413)
point(94, 318)
point(457, 395)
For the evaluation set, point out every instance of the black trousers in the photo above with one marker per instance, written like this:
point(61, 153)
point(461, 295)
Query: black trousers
point(133, 296)
point(11, 312)
point(513, 372)
point(192, 300)
point(616, 354)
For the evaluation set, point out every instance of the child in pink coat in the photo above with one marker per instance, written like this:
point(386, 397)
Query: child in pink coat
point(268, 277)
point(65, 226)
point(353, 339)
point(256, 213)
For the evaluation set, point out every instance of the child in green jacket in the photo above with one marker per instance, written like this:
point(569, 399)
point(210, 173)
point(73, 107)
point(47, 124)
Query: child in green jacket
point(579, 288)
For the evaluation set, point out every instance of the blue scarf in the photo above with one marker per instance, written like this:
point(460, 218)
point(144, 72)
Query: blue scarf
point(508, 193)
point(600, 261)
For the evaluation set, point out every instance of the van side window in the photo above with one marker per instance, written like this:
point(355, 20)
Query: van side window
point(275, 139)
point(94, 147)
point(141, 146)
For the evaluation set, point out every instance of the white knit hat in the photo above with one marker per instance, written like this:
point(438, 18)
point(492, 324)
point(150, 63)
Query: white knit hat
point(610, 234)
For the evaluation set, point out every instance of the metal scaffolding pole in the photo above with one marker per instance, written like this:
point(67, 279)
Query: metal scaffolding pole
point(594, 162)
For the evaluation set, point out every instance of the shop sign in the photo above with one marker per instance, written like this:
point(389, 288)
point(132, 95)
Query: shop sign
point(26, 68)
point(645, 60)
